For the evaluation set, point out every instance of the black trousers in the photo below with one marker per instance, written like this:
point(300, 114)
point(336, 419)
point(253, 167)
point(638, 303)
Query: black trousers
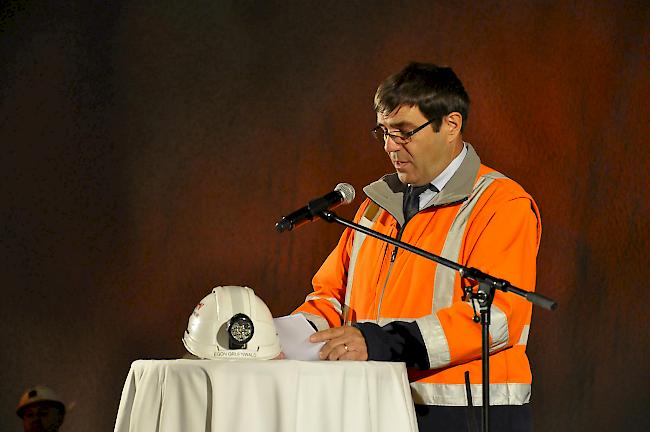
point(503, 418)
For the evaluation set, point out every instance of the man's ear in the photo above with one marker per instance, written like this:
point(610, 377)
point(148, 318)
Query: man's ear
point(454, 124)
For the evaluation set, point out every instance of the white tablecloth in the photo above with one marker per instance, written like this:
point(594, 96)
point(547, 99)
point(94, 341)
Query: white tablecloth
point(274, 395)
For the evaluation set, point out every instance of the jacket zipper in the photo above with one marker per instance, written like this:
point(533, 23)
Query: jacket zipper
point(393, 255)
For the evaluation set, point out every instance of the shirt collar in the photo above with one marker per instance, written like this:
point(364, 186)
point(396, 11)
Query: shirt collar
point(443, 178)
point(388, 191)
point(446, 174)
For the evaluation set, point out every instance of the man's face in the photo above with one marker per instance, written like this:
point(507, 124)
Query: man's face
point(42, 417)
point(426, 155)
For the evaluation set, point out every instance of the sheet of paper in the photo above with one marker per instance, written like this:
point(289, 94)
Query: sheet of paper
point(294, 332)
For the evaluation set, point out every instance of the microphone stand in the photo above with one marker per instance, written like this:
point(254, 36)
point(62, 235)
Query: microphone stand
point(484, 294)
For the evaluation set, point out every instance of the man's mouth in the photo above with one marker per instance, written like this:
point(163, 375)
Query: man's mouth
point(400, 164)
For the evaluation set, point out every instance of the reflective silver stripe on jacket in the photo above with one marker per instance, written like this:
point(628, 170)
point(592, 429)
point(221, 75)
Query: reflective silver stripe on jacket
point(435, 341)
point(332, 300)
point(433, 334)
point(455, 394)
point(443, 288)
point(359, 237)
point(498, 329)
point(523, 339)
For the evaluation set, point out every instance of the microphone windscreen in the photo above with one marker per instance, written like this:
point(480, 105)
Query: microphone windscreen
point(347, 191)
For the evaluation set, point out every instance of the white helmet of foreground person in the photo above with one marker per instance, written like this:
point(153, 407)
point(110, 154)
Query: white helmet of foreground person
point(232, 323)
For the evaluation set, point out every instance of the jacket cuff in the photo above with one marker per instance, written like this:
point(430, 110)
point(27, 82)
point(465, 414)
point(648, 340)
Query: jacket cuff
point(396, 341)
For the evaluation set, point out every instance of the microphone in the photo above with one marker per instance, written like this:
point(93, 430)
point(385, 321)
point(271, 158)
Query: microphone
point(343, 193)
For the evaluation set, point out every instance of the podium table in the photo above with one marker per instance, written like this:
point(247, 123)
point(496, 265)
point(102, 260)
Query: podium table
point(272, 395)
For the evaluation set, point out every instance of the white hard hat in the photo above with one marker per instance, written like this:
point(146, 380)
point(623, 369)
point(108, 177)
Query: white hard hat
point(232, 323)
point(39, 394)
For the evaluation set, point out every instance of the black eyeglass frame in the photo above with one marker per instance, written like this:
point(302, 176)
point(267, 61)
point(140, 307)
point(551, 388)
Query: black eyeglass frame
point(398, 139)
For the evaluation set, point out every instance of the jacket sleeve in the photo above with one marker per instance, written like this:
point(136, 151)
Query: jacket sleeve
point(503, 243)
point(396, 341)
point(324, 306)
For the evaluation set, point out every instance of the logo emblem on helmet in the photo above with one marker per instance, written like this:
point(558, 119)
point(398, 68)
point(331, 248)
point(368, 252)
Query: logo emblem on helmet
point(240, 331)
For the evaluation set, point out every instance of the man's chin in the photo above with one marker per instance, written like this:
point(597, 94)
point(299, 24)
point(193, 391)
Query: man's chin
point(404, 178)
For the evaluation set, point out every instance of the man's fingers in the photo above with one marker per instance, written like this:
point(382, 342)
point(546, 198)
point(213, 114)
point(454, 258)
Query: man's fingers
point(341, 353)
point(341, 343)
point(356, 350)
point(334, 351)
point(330, 351)
point(325, 335)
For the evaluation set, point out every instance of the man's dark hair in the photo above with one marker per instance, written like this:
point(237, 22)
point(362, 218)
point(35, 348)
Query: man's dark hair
point(436, 90)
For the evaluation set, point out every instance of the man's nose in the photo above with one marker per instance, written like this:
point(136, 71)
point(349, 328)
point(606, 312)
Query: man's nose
point(390, 145)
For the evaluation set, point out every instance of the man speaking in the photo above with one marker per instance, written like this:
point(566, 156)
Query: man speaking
point(374, 301)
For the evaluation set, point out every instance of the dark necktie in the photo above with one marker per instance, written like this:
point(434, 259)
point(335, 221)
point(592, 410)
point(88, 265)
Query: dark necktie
point(412, 199)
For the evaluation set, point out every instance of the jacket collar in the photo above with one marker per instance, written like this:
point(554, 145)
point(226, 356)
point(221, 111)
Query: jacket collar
point(388, 191)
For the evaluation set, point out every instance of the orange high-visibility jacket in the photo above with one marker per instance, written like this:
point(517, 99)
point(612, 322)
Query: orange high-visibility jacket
point(480, 219)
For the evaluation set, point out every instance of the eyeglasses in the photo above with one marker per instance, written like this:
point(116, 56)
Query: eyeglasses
point(381, 133)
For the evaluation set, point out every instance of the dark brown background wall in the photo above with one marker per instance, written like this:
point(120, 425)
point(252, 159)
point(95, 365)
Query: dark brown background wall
point(148, 148)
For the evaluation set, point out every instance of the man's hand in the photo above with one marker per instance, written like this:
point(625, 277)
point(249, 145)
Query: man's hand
point(342, 343)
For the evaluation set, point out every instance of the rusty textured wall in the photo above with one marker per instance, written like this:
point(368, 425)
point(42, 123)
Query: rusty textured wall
point(148, 148)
